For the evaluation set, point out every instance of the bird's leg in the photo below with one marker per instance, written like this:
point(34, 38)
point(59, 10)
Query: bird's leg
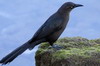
point(57, 47)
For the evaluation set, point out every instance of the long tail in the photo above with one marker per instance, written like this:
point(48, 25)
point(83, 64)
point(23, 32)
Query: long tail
point(10, 57)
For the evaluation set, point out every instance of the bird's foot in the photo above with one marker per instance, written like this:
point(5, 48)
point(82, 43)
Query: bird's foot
point(57, 47)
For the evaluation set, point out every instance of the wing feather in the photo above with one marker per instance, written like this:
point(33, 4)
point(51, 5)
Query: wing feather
point(49, 27)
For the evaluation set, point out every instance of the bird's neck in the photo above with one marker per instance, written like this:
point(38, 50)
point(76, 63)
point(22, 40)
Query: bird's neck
point(64, 13)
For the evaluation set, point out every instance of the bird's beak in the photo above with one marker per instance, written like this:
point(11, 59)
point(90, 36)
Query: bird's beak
point(78, 5)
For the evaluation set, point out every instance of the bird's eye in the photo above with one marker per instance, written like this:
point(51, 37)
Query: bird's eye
point(71, 7)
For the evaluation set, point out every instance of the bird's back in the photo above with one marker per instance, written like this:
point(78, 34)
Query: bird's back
point(59, 22)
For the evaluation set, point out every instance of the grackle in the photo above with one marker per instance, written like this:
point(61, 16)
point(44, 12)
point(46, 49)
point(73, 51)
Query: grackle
point(48, 32)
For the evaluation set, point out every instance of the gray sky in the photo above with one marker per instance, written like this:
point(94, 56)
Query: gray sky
point(19, 20)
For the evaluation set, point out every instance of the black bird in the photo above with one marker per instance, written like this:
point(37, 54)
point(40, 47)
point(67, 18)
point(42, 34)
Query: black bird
point(48, 32)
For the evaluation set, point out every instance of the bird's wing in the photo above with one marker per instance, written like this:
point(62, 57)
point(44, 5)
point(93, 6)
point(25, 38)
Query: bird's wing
point(49, 27)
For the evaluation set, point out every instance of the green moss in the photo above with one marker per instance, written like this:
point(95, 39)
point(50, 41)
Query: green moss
point(61, 54)
point(86, 52)
point(72, 39)
point(44, 45)
point(75, 42)
point(40, 51)
point(75, 47)
point(96, 41)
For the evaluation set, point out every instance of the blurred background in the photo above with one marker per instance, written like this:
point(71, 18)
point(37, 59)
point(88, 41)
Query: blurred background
point(19, 20)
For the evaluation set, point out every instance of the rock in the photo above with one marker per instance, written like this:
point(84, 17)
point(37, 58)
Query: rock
point(76, 51)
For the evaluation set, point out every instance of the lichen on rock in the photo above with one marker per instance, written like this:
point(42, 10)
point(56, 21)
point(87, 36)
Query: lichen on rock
point(76, 51)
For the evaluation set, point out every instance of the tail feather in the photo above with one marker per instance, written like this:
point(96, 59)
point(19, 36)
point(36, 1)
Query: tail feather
point(10, 57)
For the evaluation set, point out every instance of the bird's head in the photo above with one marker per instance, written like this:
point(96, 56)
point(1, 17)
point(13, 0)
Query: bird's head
point(68, 6)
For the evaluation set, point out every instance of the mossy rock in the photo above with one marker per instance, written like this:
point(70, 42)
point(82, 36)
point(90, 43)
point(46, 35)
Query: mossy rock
point(76, 51)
